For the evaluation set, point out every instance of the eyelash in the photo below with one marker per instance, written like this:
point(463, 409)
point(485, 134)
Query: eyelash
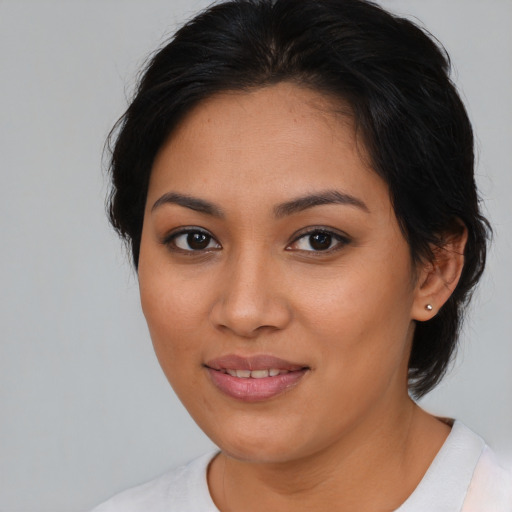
point(170, 241)
point(333, 237)
point(339, 240)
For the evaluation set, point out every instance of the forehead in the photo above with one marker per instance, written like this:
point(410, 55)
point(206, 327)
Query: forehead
point(277, 140)
point(285, 110)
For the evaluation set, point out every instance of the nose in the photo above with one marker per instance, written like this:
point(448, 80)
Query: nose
point(251, 298)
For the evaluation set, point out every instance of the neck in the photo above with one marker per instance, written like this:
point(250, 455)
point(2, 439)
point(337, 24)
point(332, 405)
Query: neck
point(376, 465)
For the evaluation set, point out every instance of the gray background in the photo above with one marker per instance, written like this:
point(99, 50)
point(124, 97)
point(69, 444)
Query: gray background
point(84, 408)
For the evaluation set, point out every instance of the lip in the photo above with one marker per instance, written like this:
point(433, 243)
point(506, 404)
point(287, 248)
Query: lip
point(252, 389)
point(258, 362)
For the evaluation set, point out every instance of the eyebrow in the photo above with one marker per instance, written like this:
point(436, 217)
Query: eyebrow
point(281, 210)
point(309, 201)
point(193, 203)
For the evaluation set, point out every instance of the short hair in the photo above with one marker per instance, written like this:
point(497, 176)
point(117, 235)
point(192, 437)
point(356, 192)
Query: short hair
point(395, 78)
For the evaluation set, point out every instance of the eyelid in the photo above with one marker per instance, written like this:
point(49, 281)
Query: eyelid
point(169, 237)
point(340, 236)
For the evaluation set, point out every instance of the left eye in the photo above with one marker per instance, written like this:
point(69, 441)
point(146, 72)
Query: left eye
point(318, 241)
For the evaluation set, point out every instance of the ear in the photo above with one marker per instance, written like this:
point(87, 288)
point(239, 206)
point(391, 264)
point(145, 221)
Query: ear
point(438, 277)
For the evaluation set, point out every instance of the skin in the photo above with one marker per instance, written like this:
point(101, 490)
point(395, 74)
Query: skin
point(348, 432)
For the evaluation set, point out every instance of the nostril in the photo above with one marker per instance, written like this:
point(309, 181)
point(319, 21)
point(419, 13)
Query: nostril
point(250, 318)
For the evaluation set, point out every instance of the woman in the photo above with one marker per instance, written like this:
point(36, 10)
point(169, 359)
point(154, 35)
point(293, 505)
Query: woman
point(295, 182)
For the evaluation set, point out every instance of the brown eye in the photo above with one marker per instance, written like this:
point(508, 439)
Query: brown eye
point(192, 241)
point(320, 241)
point(198, 241)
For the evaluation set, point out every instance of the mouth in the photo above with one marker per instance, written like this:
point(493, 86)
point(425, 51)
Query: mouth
point(256, 378)
point(254, 374)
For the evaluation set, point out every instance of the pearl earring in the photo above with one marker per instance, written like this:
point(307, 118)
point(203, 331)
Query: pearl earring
point(429, 307)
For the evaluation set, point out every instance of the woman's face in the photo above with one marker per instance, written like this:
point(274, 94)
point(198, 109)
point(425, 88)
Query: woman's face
point(276, 283)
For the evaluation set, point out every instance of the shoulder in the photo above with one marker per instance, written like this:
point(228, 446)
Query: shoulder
point(490, 487)
point(181, 489)
point(463, 477)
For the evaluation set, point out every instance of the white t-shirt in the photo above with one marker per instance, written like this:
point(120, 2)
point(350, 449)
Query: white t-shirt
point(464, 477)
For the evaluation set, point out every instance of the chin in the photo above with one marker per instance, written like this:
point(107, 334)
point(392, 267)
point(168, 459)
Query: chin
point(263, 443)
point(258, 453)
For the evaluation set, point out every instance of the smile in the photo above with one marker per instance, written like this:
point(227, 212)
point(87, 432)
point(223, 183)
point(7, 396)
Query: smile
point(256, 378)
point(254, 374)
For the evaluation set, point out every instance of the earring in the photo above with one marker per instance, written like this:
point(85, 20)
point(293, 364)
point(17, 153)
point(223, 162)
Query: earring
point(429, 307)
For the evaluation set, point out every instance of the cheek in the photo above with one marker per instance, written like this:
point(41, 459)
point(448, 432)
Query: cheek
point(358, 301)
point(362, 320)
point(173, 315)
point(174, 310)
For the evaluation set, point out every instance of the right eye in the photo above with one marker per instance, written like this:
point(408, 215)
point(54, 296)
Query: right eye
point(192, 240)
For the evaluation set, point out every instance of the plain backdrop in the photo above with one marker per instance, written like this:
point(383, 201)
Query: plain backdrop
point(84, 408)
